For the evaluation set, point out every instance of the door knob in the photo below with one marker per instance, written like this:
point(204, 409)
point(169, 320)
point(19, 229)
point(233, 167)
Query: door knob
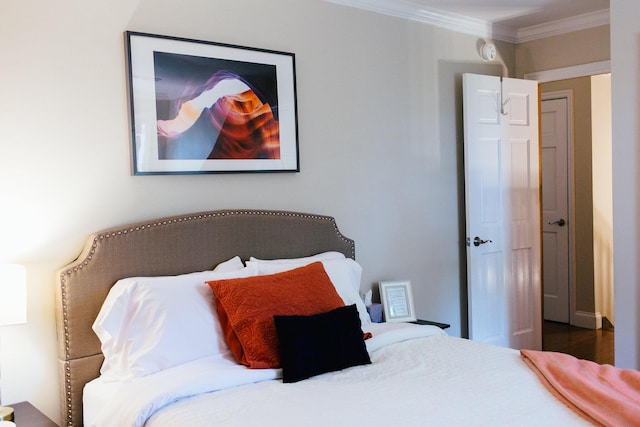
point(560, 222)
point(478, 241)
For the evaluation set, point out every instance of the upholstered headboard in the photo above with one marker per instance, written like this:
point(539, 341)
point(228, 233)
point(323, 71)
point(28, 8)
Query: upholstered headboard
point(167, 246)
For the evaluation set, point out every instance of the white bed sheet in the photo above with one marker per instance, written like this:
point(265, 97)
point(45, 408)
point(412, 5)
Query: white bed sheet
point(418, 377)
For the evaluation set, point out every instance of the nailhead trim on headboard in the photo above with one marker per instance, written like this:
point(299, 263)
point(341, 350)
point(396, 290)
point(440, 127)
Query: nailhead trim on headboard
point(81, 263)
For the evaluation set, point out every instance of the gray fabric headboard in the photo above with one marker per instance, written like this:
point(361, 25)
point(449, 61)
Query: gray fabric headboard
point(167, 246)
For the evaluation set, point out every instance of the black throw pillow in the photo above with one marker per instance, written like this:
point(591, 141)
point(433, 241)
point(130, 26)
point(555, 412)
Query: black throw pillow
point(325, 342)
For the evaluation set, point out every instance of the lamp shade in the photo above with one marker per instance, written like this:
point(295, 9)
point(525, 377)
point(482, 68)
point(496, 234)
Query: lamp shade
point(13, 294)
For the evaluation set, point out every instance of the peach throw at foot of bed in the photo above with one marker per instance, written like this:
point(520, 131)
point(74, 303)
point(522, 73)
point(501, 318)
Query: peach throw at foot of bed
point(603, 394)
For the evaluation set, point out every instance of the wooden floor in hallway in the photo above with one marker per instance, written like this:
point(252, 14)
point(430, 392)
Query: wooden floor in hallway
point(590, 344)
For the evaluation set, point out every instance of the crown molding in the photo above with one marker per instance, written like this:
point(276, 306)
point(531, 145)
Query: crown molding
point(415, 12)
point(562, 26)
point(484, 29)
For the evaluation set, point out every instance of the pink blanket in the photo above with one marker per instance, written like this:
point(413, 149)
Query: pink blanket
point(602, 394)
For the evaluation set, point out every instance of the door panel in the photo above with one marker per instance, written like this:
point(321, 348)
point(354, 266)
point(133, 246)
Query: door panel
point(489, 323)
point(523, 316)
point(502, 194)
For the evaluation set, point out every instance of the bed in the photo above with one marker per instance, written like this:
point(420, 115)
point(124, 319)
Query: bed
point(396, 373)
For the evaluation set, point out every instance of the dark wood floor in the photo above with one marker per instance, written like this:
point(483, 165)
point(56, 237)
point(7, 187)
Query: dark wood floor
point(589, 344)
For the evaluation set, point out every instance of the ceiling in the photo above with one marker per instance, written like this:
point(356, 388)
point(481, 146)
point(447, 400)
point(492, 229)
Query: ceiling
point(509, 20)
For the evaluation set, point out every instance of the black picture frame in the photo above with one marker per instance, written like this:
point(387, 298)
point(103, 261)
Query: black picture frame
point(205, 107)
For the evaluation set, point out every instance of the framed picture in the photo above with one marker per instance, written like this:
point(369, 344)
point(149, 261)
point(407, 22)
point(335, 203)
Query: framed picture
point(204, 107)
point(397, 301)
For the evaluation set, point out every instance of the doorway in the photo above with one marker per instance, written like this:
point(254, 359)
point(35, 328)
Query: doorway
point(589, 215)
point(590, 240)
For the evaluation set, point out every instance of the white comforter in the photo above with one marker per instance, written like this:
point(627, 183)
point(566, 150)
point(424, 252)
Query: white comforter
point(418, 377)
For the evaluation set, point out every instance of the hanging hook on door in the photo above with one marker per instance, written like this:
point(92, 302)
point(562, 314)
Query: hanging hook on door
point(503, 102)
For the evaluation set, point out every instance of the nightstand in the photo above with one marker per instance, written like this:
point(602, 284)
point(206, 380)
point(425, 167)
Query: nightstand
point(27, 415)
point(428, 322)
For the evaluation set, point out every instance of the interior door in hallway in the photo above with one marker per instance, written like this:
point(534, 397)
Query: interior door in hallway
point(555, 208)
point(502, 195)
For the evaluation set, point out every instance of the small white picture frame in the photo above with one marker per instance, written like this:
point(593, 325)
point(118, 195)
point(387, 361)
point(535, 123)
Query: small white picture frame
point(397, 301)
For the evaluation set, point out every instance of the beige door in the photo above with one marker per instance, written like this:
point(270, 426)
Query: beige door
point(555, 208)
point(502, 194)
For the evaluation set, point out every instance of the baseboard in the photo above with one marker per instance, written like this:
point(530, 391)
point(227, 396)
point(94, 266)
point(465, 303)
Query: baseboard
point(585, 319)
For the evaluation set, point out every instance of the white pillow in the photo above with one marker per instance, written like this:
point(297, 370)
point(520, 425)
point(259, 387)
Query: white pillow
point(345, 274)
point(324, 256)
point(147, 324)
point(233, 264)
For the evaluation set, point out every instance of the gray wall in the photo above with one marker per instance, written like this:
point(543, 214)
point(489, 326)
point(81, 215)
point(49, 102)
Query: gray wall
point(625, 93)
point(564, 50)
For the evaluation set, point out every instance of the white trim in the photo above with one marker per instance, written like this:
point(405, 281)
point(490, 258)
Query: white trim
point(583, 70)
point(464, 24)
point(562, 26)
point(584, 319)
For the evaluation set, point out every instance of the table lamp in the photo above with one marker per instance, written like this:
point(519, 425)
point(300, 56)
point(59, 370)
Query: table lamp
point(13, 310)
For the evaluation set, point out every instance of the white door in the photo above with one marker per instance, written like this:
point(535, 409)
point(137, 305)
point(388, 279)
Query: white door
point(555, 208)
point(502, 192)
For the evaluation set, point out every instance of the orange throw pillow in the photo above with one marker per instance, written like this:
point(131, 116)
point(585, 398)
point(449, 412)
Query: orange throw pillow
point(246, 307)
